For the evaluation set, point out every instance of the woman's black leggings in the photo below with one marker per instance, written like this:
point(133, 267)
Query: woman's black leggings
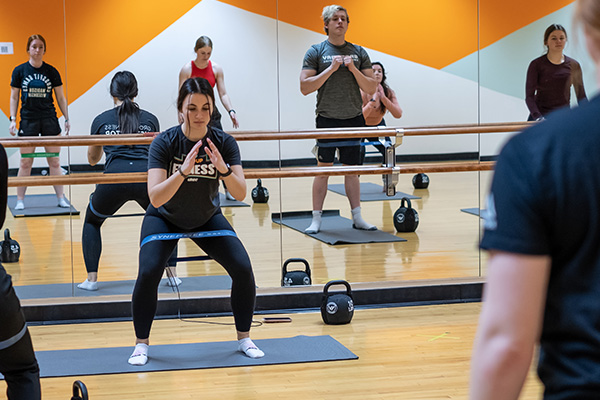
point(106, 200)
point(379, 147)
point(17, 359)
point(226, 250)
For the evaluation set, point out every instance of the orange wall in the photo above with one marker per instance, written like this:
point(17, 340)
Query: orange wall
point(430, 32)
point(102, 34)
point(16, 25)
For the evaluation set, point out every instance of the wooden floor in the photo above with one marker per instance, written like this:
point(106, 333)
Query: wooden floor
point(404, 353)
point(444, 245)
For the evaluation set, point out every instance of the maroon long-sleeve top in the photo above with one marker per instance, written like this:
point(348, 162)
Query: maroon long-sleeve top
point(548, 85)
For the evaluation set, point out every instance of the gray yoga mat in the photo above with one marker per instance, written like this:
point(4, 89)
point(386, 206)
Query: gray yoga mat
point(37, 205)
point(113, 360)
point(473, 211)
point(334, 229)
point(370, 192)
point(189, 284)
point(231, 203)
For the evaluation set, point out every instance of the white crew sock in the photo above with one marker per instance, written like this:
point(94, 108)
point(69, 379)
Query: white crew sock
point(62, 202)
point(173, 281)
point(20, 205)
point(87, 285)
point(315, 225)
point(359, 222)
point(248, 347)
point(139, 355)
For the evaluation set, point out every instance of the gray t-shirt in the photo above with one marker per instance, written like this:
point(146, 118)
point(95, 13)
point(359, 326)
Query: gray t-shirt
point(339, 97)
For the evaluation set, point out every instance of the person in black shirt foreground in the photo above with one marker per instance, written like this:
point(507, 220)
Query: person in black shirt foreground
point(542, 230)
point(17, 359)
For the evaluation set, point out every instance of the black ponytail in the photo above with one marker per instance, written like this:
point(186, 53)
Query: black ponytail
point(124, 87)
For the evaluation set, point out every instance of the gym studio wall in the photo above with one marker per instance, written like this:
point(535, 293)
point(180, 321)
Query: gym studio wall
point(429, 48)
point(444, 69)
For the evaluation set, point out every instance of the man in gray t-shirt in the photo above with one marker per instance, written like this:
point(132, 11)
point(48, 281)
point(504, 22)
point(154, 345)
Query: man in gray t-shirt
point(337, 70)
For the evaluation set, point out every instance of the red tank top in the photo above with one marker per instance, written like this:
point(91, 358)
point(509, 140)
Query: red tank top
point(206, 73)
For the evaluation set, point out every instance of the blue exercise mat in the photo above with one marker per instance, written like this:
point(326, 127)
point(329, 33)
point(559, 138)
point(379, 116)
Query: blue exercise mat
point(108, 288)
point(172, 357)
point(39, 205)
point(231, 203)
point(334, 228)
point(370, 192)
point(473, 211)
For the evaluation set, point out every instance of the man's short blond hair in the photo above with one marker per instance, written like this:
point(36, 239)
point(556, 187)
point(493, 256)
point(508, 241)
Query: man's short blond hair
point(328, 12)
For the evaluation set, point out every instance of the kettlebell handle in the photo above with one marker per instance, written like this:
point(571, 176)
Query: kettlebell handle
point(6, 234)
point(291, 260)
point(79, 388)
point(259, 182)
point(338, 282)
point(409, 205)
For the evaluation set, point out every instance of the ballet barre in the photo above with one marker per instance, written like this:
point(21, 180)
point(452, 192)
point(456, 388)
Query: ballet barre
point(333, 133)
point(292, 172)
point(390, 169)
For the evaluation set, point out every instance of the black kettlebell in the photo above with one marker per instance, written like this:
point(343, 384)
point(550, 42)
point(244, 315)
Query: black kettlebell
point(406, 218)
point(420, 181)
point(260, 194)
point(338, 308)
point(295, 278)
point(79, 391)
point(9, 249)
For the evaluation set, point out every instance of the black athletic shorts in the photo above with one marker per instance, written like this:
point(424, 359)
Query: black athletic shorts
point(37, 127)
point(348, 154)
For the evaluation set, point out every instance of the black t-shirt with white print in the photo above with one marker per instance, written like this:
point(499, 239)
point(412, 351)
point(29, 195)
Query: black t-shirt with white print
point(544, 200)
point(107, 123)
point(36, 86)
point(197, 199)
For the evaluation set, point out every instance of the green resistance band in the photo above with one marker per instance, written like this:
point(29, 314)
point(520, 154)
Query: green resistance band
point(33, 155)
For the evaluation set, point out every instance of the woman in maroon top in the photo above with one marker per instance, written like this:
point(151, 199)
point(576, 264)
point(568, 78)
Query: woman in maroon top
point(550, 77)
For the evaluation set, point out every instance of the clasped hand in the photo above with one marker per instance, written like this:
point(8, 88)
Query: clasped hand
point(213, 154)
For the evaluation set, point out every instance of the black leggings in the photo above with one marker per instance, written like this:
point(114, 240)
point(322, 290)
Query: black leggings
point(106, 200)
point(379, 147)
point(17, 362)
point(226, 250)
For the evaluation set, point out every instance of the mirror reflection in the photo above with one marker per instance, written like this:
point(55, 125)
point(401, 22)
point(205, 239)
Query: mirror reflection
point(439, 69)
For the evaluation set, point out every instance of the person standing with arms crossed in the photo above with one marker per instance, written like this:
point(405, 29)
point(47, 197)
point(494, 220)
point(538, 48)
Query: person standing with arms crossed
point(543, 278)
point(337, 70)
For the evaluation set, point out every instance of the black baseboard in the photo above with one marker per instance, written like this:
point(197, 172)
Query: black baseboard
point(301, 298)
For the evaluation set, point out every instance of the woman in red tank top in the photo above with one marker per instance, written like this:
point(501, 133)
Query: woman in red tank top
point(202, 67)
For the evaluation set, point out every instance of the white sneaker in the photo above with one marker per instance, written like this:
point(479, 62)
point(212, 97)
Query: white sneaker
point(20, 205)
point(62, 202)
point(87, 285)
point(229, 197)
